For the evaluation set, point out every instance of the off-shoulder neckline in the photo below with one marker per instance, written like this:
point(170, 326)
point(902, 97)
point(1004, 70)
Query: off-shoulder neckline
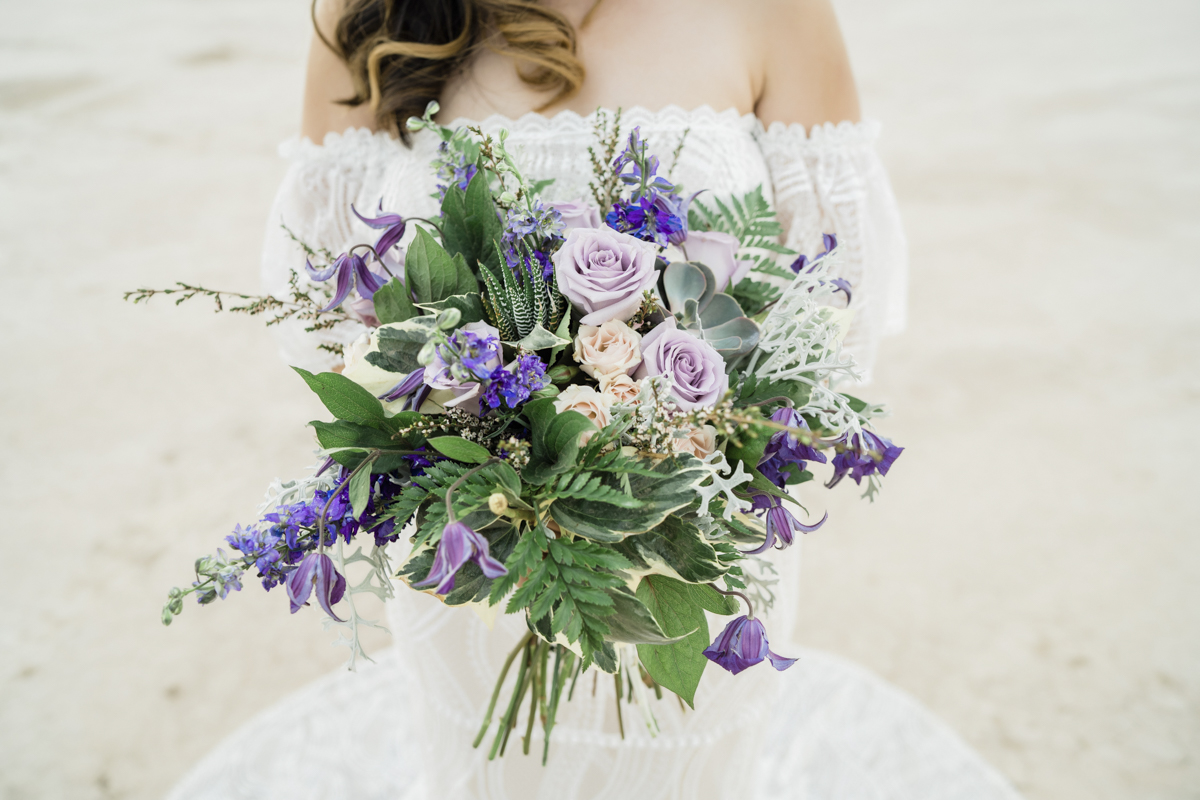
point(846, 130)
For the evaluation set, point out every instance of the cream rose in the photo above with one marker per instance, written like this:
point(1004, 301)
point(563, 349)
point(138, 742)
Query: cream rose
point(610, 349)
point(701, 442)
point(587, 401)
point(621, 387)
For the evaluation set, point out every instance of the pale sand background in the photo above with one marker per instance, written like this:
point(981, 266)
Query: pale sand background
point(1030, 572)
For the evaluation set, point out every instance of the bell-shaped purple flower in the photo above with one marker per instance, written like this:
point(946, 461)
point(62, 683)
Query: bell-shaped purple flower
point(863, 456)
point(412, 381)
point(459, 545)
point(392, 225)
point(784, 448)
point(316, 571)
point(743, 644)
point(350, 269)
point(782, 526)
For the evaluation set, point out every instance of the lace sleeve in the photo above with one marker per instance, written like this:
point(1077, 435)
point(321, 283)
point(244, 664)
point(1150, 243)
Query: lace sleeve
point(831, 180)
point(313, 202)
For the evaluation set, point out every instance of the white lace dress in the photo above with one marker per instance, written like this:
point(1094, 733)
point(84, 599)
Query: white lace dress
point(402, 728)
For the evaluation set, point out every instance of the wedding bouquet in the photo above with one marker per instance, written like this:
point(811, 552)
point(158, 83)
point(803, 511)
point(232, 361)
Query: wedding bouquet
point(588, 418)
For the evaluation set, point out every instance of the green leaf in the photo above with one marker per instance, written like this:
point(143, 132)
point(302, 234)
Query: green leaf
point(471, 306)
point(632, 623)
point(399, 344)
point(360, 491)
point(541, 339)
point(670, 486)
point(349, 434)
point(470, 224)
point(678, 545)
point(554, 438)
point(677, 666)
point(459, 449)
point(431, 274)
point(345, 399)
point(563, 332)
point(392, 303)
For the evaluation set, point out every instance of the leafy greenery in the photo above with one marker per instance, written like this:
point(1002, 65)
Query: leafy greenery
point(392, 303)
point(752, 221)
point(679, 609)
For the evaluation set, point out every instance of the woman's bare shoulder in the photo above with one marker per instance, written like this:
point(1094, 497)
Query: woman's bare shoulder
point(805, 74)
point(327, 81)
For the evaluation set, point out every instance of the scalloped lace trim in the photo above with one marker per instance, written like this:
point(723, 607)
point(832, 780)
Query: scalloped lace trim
point(365, 142)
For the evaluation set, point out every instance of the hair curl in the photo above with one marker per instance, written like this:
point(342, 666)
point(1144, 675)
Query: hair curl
point(401, 53)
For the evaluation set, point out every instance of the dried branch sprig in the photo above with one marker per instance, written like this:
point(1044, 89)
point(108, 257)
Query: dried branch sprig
point(301, 306)
point(607, 182)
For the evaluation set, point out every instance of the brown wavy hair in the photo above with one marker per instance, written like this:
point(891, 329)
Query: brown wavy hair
point(401, 53)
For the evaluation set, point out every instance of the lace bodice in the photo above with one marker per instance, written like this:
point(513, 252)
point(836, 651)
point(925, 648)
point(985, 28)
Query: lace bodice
point(826, 180)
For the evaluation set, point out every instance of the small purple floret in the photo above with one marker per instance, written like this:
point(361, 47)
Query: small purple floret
point(743, 644)
point(459, 545)
point(316, 571)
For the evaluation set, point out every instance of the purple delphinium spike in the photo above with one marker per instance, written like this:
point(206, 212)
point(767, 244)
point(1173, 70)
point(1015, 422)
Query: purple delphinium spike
point(316, 570)
point(392, 225)
point(743, 644)
point(784, 448)
point(863, 456)
point(459, 545)
point(782, 526)
point(411, 382)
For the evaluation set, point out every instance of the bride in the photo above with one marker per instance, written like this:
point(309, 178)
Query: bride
point(732, 96)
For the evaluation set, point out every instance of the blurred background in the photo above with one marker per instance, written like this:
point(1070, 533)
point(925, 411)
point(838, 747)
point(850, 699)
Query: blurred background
point(1031, 572)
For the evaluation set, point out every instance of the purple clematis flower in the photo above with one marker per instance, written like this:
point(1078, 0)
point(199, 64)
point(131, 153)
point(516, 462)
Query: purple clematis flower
point(459, 545)
point(743, 644)
point(350, 269)
point(803, 263)
point(863, 457)
point(782, 526)
point(784, 449)
point(392, 225)
point(316, 569)
point(412, 381)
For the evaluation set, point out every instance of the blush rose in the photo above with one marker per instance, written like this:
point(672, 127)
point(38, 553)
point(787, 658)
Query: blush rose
point(694, 369)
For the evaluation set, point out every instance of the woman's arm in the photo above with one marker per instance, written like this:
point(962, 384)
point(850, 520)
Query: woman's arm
point(328, 81)
point(805, 73)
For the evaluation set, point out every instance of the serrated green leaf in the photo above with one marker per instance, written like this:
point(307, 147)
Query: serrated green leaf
point(670, 486)
point(400, 342)
point(678, 545)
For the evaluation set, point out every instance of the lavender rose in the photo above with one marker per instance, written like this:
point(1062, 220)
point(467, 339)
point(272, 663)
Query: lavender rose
point(577, 214)
point(718, 252)
point(695, 370)
point(604, 273)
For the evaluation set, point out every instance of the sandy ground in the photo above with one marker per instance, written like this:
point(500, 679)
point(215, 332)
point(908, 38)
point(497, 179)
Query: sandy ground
point(1030, 572)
